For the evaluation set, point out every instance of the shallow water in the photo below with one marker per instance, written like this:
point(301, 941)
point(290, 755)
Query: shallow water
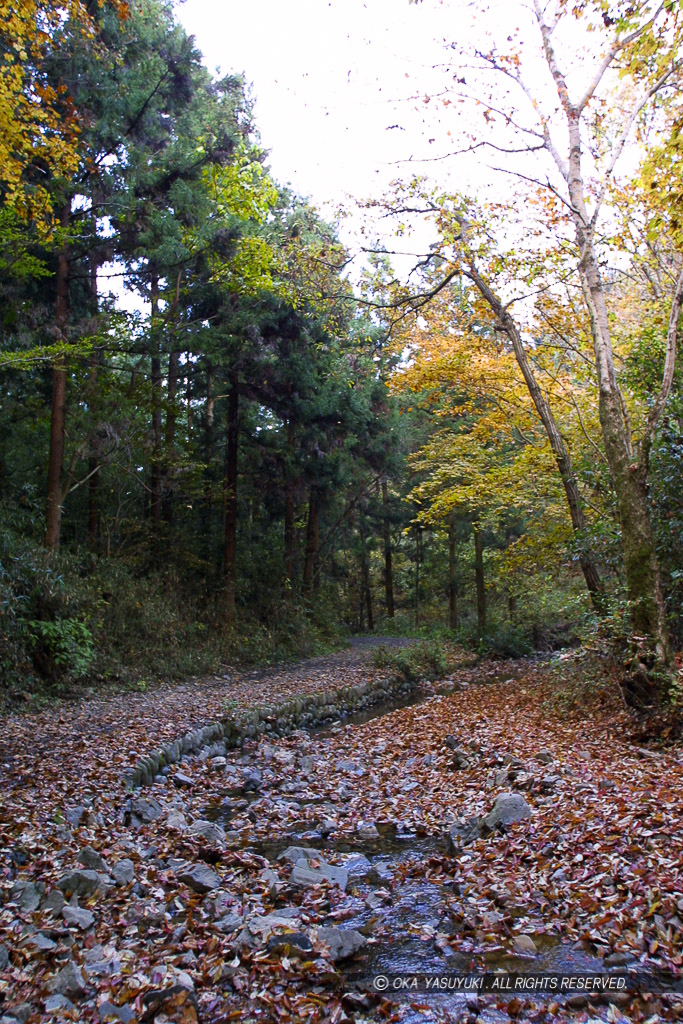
point(408, 922)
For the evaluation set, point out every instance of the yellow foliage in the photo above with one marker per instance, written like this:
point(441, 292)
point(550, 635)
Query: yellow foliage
point(38, 124)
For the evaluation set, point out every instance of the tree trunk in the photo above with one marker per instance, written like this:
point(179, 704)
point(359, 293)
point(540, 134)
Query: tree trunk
point(155, 474)
point(169, 441)
point(653, 658)
point(650, 675)
point(388, 567)
point(55, 469)
point(230, 497)
point(651, 665)
point(452, 579)
point(418, 555)
point(209, 468)
point(560, 450)
point(93, 468)
point(479, 579)
point(290, 511)
point(312, 541)
point(366, 589)
point(94, 528)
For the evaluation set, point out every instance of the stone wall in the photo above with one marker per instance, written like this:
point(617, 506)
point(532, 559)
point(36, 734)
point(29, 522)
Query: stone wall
point(304, 712)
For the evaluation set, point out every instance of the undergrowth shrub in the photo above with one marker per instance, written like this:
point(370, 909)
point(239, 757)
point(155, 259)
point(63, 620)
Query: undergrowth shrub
point(427, 659)
point(68, 620)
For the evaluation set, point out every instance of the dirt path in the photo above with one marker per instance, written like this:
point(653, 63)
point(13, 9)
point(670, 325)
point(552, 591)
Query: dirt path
point(125, 726)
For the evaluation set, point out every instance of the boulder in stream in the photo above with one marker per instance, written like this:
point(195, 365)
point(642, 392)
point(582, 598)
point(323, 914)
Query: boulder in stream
point(507, 809)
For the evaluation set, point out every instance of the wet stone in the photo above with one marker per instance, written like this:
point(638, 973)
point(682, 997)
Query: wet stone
point(83, 919)
point(123, 872)
point(80, 883)
point(303, 873)
point(507, 809)
point(27, 895)
point(342, 942)
point(68, 982)
point(90, 858)
point(199, 877)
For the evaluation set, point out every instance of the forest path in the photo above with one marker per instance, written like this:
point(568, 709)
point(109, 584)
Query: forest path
point(124, 726)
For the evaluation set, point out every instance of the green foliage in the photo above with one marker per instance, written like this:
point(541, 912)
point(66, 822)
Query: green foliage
point(65, 647)
point(503, 640)
point(427, 659)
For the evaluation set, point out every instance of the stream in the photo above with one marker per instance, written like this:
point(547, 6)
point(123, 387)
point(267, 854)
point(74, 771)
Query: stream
point(407, 915)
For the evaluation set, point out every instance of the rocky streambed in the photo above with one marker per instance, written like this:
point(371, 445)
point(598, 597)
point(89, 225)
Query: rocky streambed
point(279, 879)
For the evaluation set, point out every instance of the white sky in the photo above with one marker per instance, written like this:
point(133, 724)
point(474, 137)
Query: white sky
point(340, 89)
point(332, 81)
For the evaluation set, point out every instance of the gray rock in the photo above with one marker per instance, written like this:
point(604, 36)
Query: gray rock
point(525, 945)
point(57, 1002)
point(366, 830)
point(41, 942)
point(91, 859)
point(545, 757)
point(74, 815)
point(295, 853)
point(83, 919)
point(461, 759)
point(27, 895)
point(53, 903)
point(357, 866)
point(199, 877)
point(4, 957)
point(145, 809)
point(303, 873)
point(463, 832)
point(68, 982)
point(507, 809)
point(123, 871)
point(122, 1013)
point(229, 923)
point(80, 883)
point(606, 785)
point(21, 1012)
point(342, 942)
point(208, 830)
point(182, 781)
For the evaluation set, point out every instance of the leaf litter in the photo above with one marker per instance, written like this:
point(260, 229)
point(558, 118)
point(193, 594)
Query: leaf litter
point(195, 915)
